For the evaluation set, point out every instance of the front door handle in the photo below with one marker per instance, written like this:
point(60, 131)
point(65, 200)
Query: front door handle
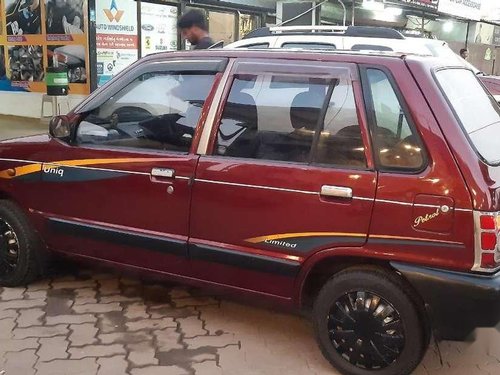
point(163, 173)
point(336, 191)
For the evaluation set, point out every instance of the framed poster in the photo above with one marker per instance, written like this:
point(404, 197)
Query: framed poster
point(116, 37)
point(158, 28)
point(37, 34)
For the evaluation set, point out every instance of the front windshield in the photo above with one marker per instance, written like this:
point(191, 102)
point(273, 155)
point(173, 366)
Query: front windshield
point(477, 112)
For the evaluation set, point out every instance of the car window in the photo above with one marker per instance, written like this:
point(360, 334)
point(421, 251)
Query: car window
point(281, 118)
point(397, 146)
point(323, 46)
point(155, 111)
point(256, 46)
point(477, 111)
point(370, 47)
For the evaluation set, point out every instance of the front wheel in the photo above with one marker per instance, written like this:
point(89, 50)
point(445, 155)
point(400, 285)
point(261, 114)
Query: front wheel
point(366, 321)
point(21, 253)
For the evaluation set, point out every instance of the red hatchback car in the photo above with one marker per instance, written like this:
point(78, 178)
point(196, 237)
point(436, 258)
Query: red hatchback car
point(364, 188)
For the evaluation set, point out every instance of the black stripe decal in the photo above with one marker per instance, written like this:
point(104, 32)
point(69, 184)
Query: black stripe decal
point(95, 232)
point(389, 241)
point(252, 262)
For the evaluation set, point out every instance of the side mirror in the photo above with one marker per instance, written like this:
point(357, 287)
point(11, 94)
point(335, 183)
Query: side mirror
point(60, 127)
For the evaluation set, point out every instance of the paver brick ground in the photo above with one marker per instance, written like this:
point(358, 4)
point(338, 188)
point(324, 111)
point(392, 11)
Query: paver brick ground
point(137, 327)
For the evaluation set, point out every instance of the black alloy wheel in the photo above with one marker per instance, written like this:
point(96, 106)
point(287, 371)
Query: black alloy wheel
point(9, 248)
point(22, 256)
point(366, 330)
point(368, 320)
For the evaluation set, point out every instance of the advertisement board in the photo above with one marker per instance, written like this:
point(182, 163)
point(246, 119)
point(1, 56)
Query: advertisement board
point(116, 37)
point(36, 34)
point(468, 9)
point(158, 28)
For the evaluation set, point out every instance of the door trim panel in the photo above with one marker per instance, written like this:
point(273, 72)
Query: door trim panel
point(120, 237)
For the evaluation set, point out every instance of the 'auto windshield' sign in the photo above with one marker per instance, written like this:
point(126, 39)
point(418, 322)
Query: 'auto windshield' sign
point(469, 9)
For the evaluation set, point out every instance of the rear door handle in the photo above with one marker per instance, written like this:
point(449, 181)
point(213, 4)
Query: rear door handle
point(163, 173)
point(336, 191)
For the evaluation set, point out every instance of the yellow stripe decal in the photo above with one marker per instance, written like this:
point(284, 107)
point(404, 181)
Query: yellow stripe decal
point(305, 234)
point(33, 168)
point(385, 237)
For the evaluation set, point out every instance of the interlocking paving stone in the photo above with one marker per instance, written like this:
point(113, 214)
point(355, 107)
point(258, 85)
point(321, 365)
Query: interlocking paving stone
point(31, 317)
point(71, 319)
point(192, 326)
point(97, 308)
point(82, 334)
point(151, 324)
point(12, 345)
point(168, 339)
point(23, 304)
point(53, 348)
point(96, 351)
point(41, 331)
point(73, 284)
point(37, 294)
point(9, 294)
point(124, 337)
point(20, 363)
point(116, 365)
point(6, 327)
point(159, 370)
point(136, 311)
point(8, 314)
point(142, 354)
point(85, 366)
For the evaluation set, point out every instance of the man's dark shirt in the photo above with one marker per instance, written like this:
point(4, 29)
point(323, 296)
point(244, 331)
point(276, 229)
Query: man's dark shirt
point(204, 43)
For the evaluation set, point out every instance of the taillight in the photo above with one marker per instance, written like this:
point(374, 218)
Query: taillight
point(487, 252)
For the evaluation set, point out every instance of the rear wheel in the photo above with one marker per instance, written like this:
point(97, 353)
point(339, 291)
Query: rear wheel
point(20, 251)
point(366, 321)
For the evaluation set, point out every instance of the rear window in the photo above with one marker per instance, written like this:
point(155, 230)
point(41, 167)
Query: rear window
point(475, 109)
point(323, 46)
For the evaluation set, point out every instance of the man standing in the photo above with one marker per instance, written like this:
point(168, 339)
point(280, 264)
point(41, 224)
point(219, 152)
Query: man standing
point(464, 53)
point(193, 27)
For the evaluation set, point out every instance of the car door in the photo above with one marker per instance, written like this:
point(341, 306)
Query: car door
point(121, 190)
point(286, 174)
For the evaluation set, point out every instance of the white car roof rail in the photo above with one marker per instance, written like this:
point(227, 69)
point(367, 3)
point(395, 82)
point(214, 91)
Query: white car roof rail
point(322, 28)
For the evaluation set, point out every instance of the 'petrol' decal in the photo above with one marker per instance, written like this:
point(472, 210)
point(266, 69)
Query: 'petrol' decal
point(428, 217)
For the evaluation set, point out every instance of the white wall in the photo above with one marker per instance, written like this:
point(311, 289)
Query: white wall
point(29, 104)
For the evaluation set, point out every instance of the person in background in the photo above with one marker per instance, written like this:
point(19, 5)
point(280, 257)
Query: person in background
point(193, 27)
point(464, 53)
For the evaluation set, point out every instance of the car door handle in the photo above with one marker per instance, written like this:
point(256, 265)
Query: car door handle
point(163, 173)
point(336, 191)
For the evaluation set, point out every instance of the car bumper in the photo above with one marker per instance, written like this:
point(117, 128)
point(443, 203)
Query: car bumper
point(457, 303)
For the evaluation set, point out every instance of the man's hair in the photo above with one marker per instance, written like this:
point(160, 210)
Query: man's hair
point(193, 18)
point(463, 50)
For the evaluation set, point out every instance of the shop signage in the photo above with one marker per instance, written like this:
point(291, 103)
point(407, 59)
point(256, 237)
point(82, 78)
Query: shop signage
point(468, 9)
point(430, 4)
point(116, 37)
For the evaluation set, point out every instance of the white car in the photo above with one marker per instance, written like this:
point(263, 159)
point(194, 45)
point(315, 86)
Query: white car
point(356, 38)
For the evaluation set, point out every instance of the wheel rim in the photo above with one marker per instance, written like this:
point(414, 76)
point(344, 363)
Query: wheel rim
point(366, 330)
point(9, 249)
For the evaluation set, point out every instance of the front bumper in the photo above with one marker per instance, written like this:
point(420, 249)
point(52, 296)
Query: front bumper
point(457, 303)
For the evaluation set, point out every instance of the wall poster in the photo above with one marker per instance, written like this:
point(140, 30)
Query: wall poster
point(36, 34)
point(159, 28)
point(116, 37)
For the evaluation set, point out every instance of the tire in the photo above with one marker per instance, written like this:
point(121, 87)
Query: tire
point(17, 235)
point(387, 337)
